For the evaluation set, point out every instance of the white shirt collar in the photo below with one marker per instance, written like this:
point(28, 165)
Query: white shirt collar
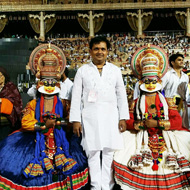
point(172, 70)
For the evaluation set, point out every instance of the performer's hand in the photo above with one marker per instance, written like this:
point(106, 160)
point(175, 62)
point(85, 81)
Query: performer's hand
point(122, 126)
point(77, 128)
point(50, 123)
point(151, 123)
point(43, 127)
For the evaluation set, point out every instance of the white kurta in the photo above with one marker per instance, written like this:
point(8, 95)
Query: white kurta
point(100, 118)
point(66, 89)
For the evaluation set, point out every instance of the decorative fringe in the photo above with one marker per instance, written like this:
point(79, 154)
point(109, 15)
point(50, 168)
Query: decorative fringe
point(34, 169)
point(183, 163)
point(47, 165)
point(146, 153)
point(71, 167)
point(171, 161)
point(135, 163)
point(28, 170)
point(147, 157)
point(60, 161)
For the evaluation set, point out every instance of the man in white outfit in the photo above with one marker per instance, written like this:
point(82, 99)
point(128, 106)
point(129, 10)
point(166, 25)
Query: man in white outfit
point(99, 109)
point(188, 99)
point(173, 79)
point(66, 86)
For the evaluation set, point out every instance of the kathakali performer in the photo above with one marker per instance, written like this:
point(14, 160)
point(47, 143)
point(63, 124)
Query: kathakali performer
point(156, 154)
point(41, 155)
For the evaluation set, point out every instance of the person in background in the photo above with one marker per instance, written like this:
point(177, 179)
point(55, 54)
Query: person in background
point(174, 84)
point(174, 77)
point(65, 95)
point(32, 90)
point(188, 100)
point(66, 86)
point(10, 105)
point(136, 93)
point(99, 109)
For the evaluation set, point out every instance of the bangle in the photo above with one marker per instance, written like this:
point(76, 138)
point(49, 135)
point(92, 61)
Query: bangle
point(139, 125)
point(38, 125)
point(161, 127)
point(167, 125)
point(164, 125)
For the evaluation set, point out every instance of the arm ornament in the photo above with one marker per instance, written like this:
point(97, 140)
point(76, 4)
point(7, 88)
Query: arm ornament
point(164, 124)
point(37, 126)
point(171, 103)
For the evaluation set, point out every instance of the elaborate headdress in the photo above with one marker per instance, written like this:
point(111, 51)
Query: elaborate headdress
point(47, 61)
point(149, 61)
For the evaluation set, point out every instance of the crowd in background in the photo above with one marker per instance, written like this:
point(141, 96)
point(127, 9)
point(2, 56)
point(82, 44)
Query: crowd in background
point(122, 48)
point(121, 51)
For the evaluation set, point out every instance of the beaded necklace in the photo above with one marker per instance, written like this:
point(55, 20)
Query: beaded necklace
point(156, 142)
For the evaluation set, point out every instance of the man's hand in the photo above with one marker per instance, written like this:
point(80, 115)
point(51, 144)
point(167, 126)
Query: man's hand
point(77, 128)
point(122, 126)
point(151, 123)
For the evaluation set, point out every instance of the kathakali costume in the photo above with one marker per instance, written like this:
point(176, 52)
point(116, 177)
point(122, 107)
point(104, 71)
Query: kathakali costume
point(157, 146)
point(41, 155)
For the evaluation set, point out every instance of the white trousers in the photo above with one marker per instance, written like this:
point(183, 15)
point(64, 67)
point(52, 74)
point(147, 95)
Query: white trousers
point(101, 169)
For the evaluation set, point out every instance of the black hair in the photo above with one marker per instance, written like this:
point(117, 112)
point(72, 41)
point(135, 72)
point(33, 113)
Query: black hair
point(66, 71)
point(5, 74)
point(97, 40)
point(174, 57)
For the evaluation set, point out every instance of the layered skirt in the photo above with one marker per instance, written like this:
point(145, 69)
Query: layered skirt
point(173, 169)
point(16, 152)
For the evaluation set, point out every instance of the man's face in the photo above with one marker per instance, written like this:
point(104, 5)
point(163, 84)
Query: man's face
point(99, 53)
point(178, 63)
point(2, 80)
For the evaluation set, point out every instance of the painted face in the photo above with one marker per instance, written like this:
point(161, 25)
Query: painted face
point(99, 53)
point(2, 80)
point(150, 84)
point(49, 85)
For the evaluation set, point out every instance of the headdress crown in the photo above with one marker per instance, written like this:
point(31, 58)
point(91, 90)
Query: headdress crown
point(149, 60)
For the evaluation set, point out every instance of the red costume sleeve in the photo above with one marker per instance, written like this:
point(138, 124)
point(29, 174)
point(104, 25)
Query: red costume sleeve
point(130, 122)
point(175, 120)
